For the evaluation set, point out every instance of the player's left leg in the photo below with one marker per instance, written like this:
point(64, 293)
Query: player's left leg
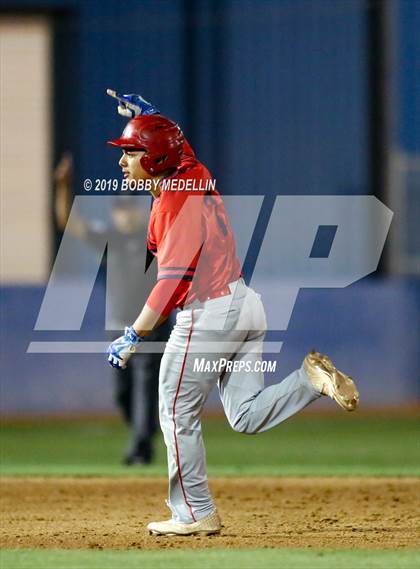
point(183, 390)
point(182, 395)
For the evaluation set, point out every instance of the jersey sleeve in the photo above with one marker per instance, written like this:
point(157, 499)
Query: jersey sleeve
point(181, 237)
point(167, 295)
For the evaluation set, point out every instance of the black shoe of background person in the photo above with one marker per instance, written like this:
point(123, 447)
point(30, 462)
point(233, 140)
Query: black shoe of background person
point(136, 460)
point(140, 453)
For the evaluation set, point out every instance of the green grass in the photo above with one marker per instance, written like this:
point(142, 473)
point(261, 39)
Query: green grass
point(220, 559)
point(309, 445)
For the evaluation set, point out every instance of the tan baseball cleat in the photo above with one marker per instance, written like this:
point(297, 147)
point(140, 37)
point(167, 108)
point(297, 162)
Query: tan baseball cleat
point(209, 525)
point(328, 380)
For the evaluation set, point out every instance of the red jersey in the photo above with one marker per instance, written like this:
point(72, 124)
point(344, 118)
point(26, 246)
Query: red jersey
point(190, 234)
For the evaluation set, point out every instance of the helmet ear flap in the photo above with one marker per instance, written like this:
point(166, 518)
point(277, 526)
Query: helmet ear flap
point(152, 166)
point(148, 164)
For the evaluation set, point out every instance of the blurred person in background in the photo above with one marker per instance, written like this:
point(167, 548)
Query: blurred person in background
point(136, 388)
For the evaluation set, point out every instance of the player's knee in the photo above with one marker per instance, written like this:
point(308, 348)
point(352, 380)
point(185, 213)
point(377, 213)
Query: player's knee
point(243, 425)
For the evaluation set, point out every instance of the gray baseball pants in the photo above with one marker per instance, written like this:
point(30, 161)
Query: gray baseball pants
point(235, 325)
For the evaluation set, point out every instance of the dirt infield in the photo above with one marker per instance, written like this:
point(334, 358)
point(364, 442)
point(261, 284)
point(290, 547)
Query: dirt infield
point(103, 513)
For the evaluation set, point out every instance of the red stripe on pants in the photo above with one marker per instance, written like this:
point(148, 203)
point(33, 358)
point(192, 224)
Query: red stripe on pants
point(178, 462)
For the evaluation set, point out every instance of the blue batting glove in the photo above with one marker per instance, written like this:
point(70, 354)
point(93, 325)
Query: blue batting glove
point(132, 105)
point(121, 349)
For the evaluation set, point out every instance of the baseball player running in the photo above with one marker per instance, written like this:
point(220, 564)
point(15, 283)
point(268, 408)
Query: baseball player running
point(199, 274)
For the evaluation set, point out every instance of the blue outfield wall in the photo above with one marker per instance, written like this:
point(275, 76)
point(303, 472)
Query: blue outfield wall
point(408, 85)
point(371, 328)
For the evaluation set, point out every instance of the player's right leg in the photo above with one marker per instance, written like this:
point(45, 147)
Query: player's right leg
point(249, 406)
point(252, 408)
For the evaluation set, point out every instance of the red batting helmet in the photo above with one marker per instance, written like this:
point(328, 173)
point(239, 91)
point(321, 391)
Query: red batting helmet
point(160, 138)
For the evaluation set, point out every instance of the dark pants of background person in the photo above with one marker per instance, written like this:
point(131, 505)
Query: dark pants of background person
point(136, 394)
